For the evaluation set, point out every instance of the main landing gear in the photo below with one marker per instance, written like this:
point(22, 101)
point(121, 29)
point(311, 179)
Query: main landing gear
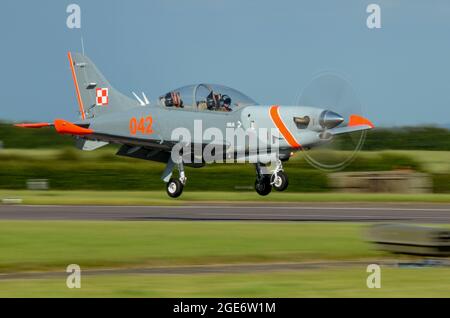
point(174, 186)
point(266, 179)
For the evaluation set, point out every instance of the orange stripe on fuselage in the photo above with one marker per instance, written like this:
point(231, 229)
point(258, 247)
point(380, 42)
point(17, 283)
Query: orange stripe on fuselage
point(75, 81)
point(276, 118)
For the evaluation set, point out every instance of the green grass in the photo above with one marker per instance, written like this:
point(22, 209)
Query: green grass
point(161, 198)
point(350, 282)
point(71, 169)
point(53, 245)
point(432, 161)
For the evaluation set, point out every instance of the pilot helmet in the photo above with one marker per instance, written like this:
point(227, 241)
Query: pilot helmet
point(226, 100)
point(212, 101)
point(168, 100)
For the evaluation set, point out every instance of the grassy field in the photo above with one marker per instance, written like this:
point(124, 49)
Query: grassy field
point(51, 246)
point(54, 245)
point(432, 161)
point(71, 169)
point(161, 198)
point(351, 282)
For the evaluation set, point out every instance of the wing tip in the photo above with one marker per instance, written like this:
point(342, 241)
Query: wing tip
point(356, 120)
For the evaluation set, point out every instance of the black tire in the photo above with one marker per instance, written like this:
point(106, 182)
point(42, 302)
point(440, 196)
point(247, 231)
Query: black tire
point(174, 188)
point(282, 183)
point(262, 186)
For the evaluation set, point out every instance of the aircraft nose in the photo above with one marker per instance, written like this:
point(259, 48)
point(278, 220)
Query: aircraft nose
point(329, 119)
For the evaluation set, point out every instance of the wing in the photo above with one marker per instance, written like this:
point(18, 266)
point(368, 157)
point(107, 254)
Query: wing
point(356, 123)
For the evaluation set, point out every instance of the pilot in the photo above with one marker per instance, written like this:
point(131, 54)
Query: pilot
point(226, 103)
point(173, 99)
point(213, 101)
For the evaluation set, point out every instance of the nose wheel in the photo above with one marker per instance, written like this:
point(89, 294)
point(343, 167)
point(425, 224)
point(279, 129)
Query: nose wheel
point(279, 181)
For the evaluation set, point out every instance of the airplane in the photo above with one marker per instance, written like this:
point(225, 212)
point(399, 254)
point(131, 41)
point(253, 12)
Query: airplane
point(145, 130)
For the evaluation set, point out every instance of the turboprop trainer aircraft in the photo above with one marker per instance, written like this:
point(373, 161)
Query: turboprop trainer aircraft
point(152, 130)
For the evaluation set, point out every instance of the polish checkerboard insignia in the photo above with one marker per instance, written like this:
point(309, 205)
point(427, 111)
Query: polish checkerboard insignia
point(102, 96)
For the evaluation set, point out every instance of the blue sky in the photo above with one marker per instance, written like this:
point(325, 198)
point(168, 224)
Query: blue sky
point(269, 50)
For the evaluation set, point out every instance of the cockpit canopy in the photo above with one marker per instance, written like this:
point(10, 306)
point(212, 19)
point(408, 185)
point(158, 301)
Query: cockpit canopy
point(206, 97)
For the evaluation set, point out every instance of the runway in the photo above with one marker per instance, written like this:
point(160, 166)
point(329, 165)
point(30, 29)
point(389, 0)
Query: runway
point(231, 268)
point(337, 212)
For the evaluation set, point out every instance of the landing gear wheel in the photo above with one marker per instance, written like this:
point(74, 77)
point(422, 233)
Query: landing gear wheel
point(262, 186)
point(174, 188)
point(280, 181)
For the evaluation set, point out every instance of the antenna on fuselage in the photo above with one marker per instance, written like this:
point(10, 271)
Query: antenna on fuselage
point(147, 102)
point(138, 99)
point(144, 102)
point(82, 45)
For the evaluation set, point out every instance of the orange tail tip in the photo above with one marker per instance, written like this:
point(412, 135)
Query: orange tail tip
point(67, 128)
point(356, 120)
point(36, 125)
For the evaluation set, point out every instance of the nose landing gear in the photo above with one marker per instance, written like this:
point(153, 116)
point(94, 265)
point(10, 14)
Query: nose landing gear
point(279, 179)
point(266, 179)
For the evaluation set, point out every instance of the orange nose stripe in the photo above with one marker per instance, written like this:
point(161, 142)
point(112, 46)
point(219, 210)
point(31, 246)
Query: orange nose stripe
point(276, 118)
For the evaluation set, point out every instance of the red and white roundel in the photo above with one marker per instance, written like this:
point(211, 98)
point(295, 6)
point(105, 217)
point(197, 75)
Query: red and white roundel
point(102, 96)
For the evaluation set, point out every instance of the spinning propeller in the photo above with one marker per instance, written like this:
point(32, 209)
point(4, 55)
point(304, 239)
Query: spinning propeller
point(332, 92)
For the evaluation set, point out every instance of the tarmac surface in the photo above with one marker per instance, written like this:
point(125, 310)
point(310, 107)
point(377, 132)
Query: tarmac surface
point(234, 268)
point(344, 212)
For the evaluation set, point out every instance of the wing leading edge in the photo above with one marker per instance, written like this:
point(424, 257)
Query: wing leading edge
point(356, 123)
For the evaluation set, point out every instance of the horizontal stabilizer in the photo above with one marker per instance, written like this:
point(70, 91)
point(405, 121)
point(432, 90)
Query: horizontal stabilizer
point(90, 145)
point(65, 127)
point(34, 126)
point(62, 127)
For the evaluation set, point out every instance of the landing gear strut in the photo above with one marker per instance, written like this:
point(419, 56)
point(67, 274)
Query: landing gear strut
point(174, 187)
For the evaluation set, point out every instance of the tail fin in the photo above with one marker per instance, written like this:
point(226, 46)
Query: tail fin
point(94, 93)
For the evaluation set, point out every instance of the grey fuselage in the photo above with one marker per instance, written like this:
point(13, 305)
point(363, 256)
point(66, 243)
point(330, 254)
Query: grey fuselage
point(167, 120)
